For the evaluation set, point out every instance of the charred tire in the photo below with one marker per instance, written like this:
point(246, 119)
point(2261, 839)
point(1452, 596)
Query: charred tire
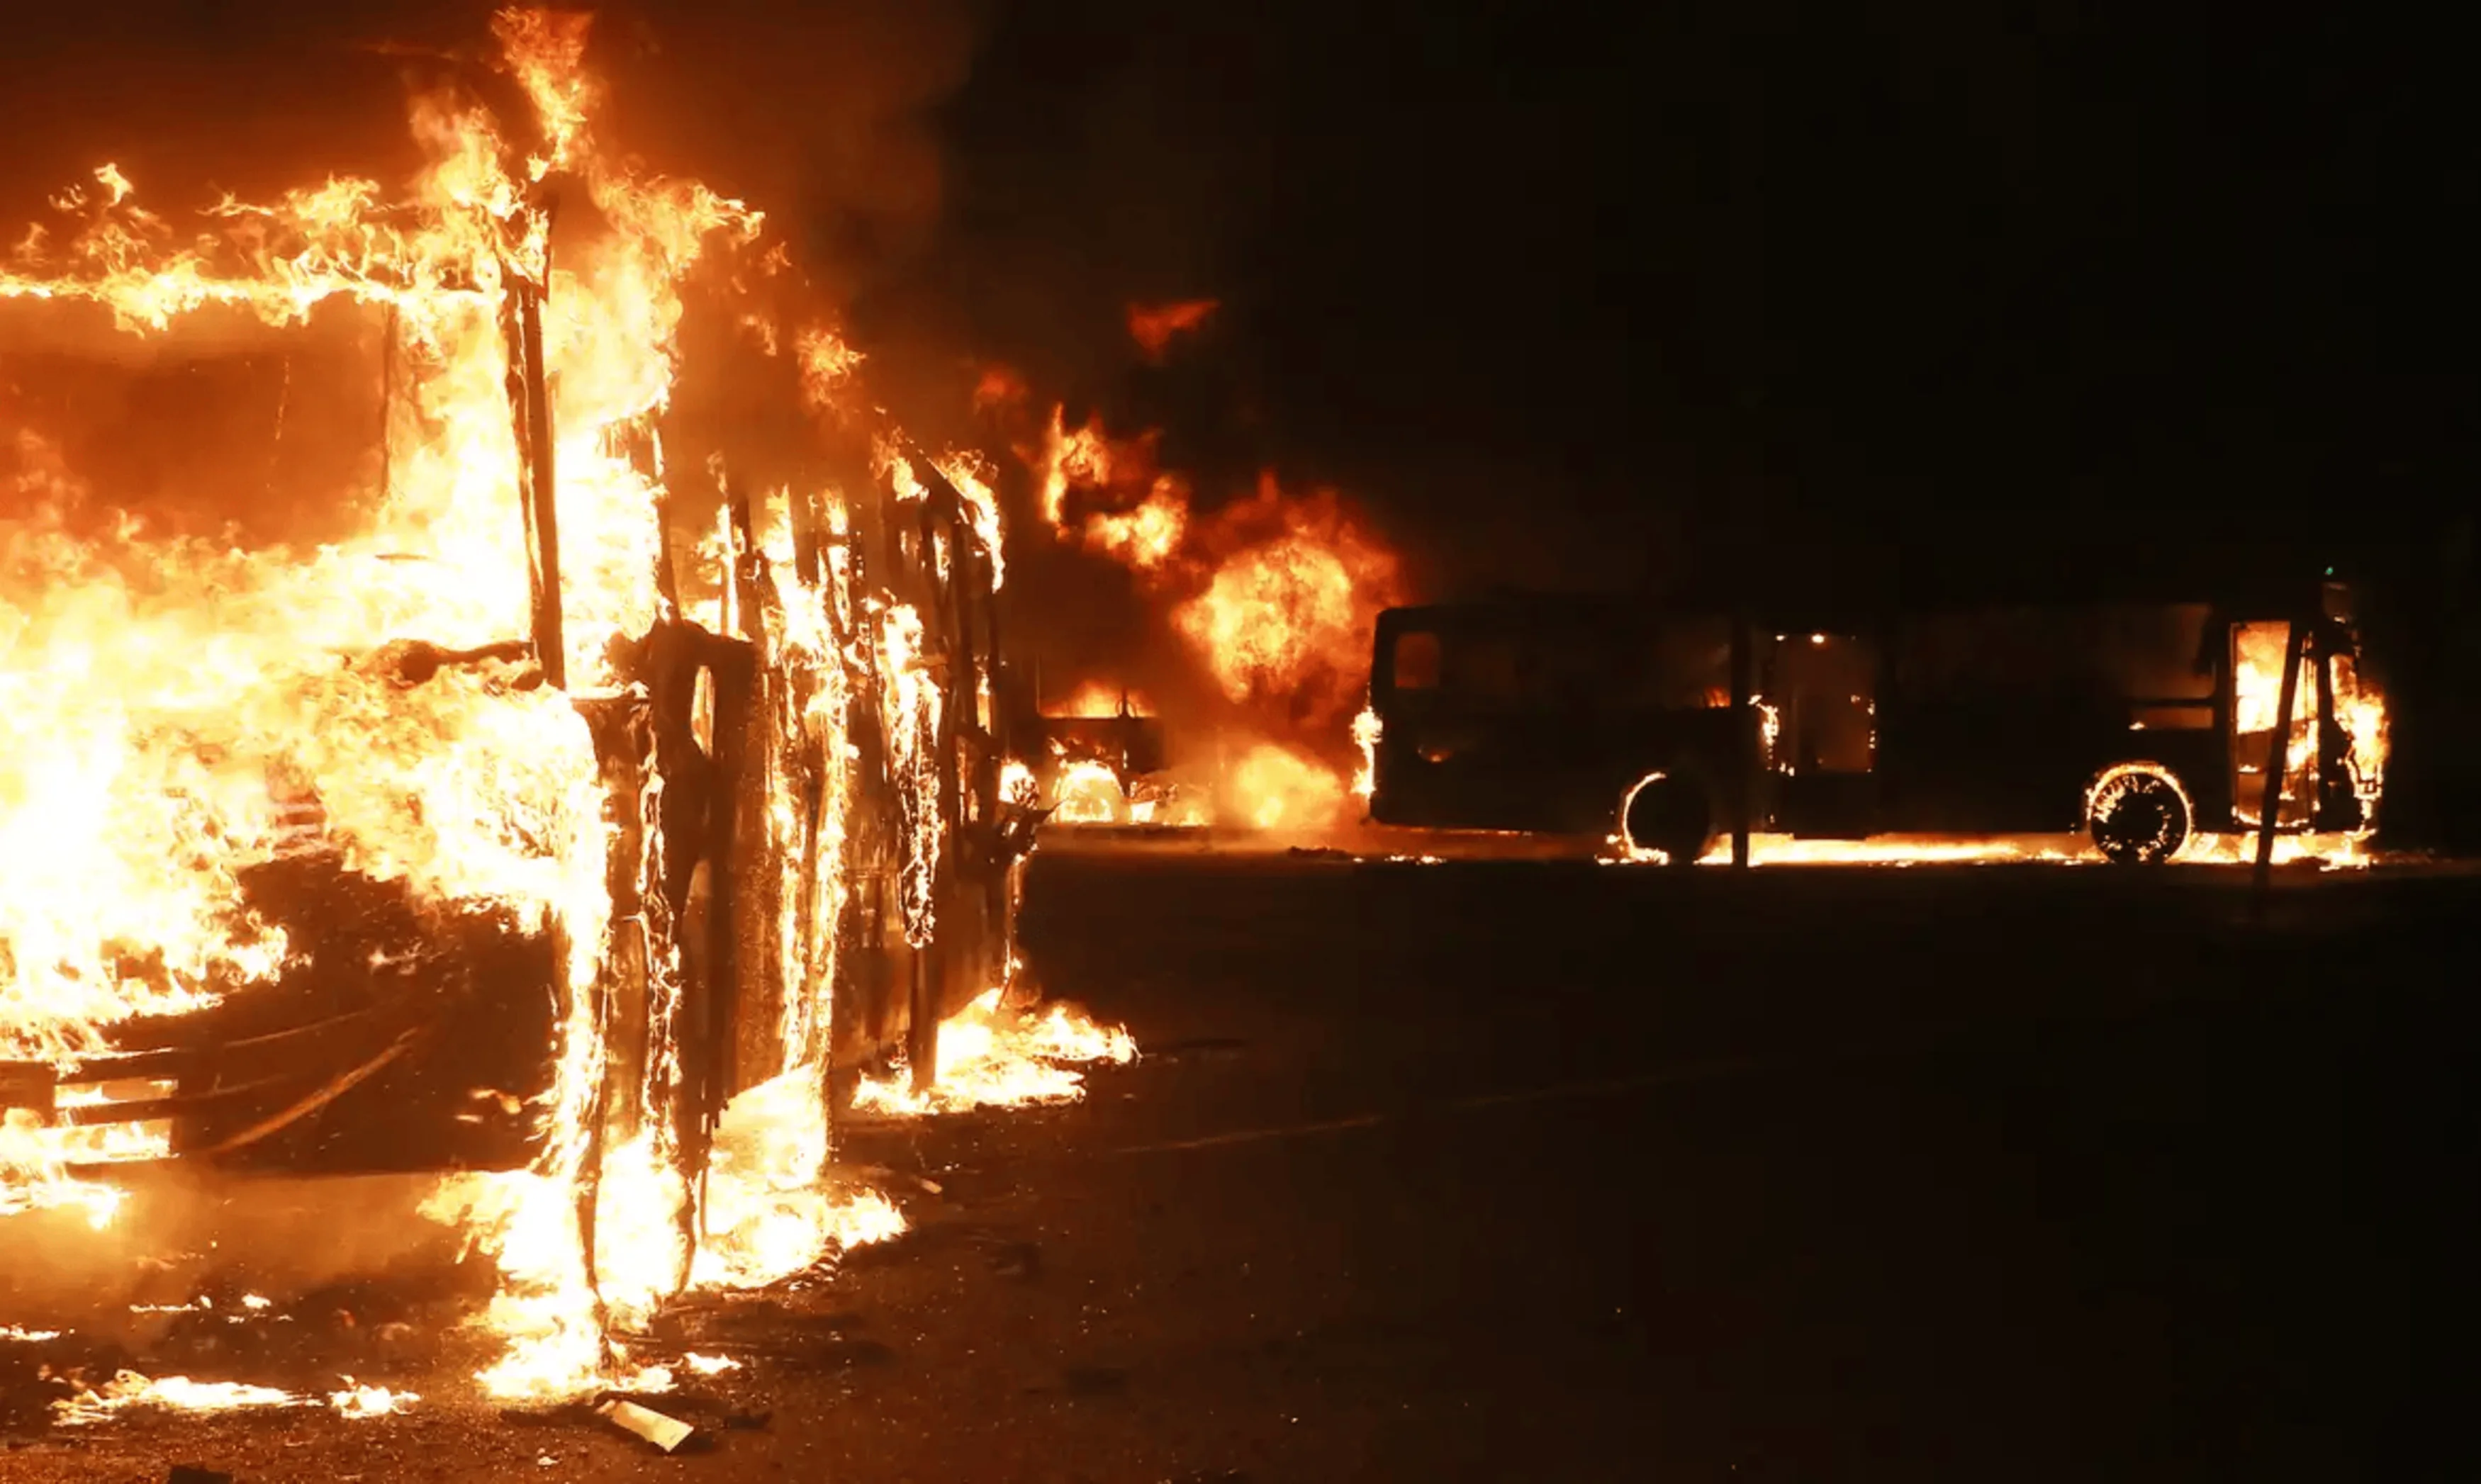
point(2137, 816)
point(1669, 815)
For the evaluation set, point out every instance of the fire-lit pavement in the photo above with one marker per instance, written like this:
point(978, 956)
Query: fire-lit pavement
point(1545, 1171)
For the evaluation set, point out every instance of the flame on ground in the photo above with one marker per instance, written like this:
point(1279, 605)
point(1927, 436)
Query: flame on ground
point(990, 1057)
point(365, 1401)
point(129, 1391)
point(767, 1216)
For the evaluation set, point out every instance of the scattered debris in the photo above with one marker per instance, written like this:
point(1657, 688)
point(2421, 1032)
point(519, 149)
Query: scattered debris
point(663, 1432)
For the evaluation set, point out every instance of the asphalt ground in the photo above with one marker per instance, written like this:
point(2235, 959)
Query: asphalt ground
point(1547, 1170)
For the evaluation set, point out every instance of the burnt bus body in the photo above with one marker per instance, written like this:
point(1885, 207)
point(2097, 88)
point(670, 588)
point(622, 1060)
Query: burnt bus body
point(1984, 718)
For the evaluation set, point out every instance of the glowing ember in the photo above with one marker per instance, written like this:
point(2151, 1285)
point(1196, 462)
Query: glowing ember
point(709, 1364)
point(30, 1337)
point(989, 1056)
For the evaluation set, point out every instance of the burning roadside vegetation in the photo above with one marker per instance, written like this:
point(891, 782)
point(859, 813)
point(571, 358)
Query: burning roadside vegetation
point(607, 806)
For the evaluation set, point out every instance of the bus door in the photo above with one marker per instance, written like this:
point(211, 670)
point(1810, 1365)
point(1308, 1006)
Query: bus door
point(1820, 733)
point(2328, 767)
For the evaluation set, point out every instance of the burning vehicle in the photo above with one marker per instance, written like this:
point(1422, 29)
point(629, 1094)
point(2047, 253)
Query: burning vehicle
point(602, 714)
point(2145, 724)
point(1099, 758)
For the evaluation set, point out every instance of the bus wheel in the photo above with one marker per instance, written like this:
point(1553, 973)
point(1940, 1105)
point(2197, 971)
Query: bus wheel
point(1666, 814)
point(2138, 815)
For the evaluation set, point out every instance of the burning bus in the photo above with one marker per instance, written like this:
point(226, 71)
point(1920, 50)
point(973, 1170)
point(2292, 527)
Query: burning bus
point(2145, 723)
point(593, 700)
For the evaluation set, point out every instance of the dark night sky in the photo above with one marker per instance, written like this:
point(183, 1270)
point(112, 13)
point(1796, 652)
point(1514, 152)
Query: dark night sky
point(1560, 291)
point(1935, 275)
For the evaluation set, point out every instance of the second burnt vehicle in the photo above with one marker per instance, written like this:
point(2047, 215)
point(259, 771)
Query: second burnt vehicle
point(2138, 720)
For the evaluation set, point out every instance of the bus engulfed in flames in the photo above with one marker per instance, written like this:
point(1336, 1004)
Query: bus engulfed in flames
point(710, 783)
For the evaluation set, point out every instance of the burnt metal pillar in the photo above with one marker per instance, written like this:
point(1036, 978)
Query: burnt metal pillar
point(2278, 756)
point(1743, 737)
point(530, 397)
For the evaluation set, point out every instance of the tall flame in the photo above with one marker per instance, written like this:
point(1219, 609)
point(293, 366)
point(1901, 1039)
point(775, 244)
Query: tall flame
point(176, 712)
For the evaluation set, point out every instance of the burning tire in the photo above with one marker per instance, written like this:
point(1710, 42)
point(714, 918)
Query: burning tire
point(2138, 814)
point(1666, 815)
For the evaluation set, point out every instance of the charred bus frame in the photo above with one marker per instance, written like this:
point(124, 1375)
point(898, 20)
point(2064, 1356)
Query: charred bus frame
point(714, 720)
point(1669, 726)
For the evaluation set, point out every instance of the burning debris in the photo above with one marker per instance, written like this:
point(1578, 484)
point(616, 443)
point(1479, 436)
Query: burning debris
point(1270, 598)
point(709, 786)
point(990, 1055)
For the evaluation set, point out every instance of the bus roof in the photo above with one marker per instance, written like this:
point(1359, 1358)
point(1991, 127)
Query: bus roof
point(1847, 605)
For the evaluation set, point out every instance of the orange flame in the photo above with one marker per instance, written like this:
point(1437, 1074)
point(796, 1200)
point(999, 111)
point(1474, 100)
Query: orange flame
point(1366, 729)
point(1154, 326)
point(1094, 698)
point(130, 1391)
point(1285, 620)
point(1147, 537)
point(176, 712)
point(1276, 788)
point(991, 1057)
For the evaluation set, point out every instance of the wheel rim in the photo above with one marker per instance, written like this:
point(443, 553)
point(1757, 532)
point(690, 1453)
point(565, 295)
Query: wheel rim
point(2137, 814)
